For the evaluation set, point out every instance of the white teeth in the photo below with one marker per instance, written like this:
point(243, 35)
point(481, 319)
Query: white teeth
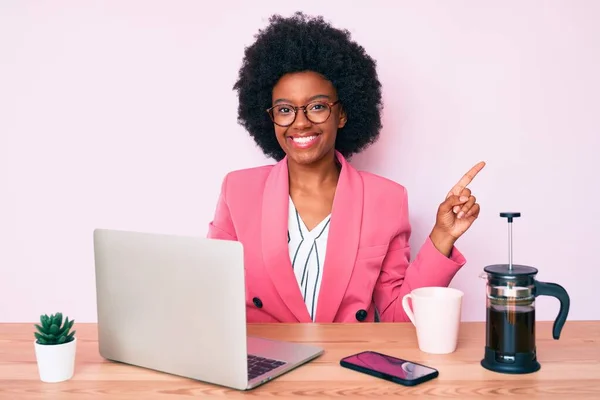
point(304, 139)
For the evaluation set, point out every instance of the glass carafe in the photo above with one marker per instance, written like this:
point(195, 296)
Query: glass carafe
point(510, 315)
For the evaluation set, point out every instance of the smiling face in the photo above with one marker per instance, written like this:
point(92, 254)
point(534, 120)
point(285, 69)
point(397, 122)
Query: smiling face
point(310, 138)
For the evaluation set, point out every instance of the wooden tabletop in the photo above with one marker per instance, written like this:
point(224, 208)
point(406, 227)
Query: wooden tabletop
point(570, 367)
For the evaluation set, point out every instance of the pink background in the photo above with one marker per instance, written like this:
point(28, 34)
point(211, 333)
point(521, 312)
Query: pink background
point(120, 114)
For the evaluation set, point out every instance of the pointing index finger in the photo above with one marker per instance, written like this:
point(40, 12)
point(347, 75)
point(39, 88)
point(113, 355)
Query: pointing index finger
point(466, 179)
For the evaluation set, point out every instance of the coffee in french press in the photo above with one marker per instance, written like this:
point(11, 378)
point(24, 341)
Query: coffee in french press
point(510, 315)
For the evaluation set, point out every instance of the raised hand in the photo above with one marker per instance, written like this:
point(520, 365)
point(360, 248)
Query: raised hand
point(456, 214)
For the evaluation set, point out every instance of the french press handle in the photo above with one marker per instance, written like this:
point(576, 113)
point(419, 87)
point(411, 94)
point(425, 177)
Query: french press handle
point(555, 290)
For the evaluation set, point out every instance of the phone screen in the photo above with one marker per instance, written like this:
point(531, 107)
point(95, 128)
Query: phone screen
point(392, 366)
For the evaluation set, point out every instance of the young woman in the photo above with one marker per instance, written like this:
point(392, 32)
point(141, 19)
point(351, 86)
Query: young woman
point(324, 242)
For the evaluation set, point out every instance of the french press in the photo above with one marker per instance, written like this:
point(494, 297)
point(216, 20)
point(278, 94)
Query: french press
point(510, 321)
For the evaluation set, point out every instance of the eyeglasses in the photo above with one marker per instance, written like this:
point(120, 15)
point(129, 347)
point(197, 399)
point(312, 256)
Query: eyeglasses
point(316, 112)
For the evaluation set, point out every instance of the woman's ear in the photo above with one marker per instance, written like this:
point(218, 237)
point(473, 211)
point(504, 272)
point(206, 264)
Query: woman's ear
point(343, 119)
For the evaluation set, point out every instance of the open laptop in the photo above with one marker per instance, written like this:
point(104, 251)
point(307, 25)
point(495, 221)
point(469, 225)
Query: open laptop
point(176, 304)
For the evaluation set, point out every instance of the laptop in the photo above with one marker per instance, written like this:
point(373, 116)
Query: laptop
point(176, 304)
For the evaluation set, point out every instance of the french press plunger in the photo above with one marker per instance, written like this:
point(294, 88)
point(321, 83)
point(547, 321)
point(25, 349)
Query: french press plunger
point(510, 320)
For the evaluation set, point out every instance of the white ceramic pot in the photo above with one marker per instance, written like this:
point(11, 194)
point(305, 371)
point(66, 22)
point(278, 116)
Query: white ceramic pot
point(56, 362)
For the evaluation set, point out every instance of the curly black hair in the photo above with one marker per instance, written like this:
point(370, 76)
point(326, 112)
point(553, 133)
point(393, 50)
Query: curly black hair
point(302, 43)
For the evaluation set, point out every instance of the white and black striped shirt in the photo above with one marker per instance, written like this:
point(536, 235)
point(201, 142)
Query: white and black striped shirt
point(307, 253)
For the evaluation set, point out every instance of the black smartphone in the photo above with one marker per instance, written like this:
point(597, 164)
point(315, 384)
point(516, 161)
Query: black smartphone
point(390, 368)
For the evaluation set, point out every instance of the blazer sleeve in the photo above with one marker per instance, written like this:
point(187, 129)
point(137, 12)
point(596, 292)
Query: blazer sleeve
point(221, 227)
point(399, 276)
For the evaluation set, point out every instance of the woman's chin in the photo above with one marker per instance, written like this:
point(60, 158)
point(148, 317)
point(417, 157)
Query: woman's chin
point(308, 157)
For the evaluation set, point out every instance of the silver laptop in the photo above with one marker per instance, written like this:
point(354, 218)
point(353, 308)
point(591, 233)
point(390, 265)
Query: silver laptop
point(176, 304)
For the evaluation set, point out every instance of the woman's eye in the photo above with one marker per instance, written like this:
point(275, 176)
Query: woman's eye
point(283, 110)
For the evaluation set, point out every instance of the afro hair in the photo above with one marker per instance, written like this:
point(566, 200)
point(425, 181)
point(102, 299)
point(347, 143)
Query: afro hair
point(301, 43)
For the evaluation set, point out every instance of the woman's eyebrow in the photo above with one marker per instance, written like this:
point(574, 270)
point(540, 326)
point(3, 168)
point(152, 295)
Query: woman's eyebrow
point(316, 97)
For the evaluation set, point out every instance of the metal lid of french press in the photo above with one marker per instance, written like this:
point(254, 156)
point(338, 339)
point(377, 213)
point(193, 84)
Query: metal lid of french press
point(510, 270)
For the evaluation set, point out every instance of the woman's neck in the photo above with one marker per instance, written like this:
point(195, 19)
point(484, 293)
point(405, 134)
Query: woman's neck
point(324, 173)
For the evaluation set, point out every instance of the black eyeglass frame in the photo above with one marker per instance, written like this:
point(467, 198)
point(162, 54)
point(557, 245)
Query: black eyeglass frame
point(330, 104)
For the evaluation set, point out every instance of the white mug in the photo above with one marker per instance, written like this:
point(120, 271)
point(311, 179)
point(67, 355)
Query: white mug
point(436, 314)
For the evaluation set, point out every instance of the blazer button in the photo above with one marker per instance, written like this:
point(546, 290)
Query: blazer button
point(257, 302)
point(361, 315)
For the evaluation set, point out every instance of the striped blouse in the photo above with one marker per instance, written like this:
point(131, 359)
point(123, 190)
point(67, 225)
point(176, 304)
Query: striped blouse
point(307, 253)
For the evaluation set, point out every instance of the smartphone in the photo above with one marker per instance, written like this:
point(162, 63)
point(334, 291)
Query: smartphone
point(390, 368)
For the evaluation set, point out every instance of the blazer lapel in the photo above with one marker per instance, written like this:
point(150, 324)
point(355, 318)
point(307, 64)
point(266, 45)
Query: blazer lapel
point(274, 226)
point(342, 245)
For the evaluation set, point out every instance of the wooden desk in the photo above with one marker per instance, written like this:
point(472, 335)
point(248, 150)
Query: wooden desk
point(570, 367)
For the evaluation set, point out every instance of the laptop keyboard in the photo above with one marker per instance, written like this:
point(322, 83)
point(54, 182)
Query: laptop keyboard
point(259, 365)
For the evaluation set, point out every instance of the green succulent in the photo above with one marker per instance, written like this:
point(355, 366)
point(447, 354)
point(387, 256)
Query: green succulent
point(53, 331)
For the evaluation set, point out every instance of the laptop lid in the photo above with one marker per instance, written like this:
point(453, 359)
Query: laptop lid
point(174, 304)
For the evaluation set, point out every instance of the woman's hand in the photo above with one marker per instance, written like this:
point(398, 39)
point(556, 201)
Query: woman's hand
point(456, 214)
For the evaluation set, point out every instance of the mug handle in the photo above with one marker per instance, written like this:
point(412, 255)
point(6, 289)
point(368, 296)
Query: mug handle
point(407, 309)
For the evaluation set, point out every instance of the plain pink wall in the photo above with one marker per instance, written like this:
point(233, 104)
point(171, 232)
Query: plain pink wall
point(120, 114)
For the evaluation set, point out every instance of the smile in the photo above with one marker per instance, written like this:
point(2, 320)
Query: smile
point(304, 141)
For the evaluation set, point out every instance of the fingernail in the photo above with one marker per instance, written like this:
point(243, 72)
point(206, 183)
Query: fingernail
point(460, 214)
point(456, 209)
point(463, 198)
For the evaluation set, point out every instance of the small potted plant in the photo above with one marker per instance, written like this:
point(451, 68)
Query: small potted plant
point(55, 346)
